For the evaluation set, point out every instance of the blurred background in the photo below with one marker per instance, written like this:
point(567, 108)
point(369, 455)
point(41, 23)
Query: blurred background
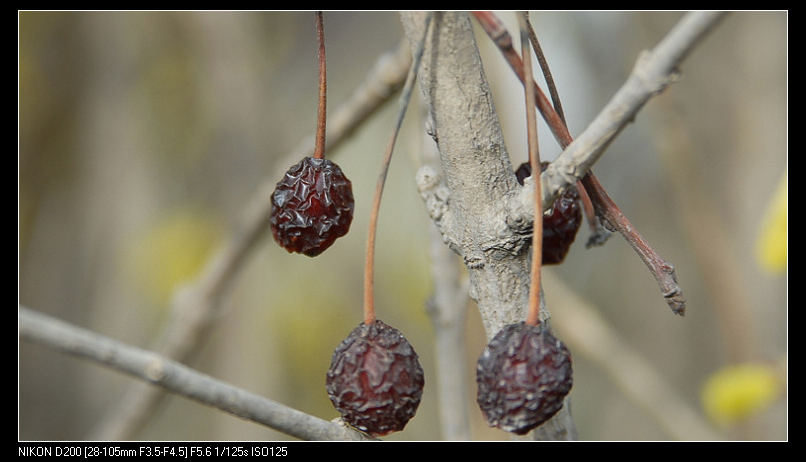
point(144, 135)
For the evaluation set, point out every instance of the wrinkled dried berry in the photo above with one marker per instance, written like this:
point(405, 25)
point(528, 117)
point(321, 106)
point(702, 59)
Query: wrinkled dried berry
point(375, 380)
point(560, 223)
point(523, 376)
point(312, 206)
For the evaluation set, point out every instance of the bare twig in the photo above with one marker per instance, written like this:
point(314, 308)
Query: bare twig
point(447, 309)
point(174, 377)
point(496, 30)
point(196, 308)
point(653, 72)
point(662, 270)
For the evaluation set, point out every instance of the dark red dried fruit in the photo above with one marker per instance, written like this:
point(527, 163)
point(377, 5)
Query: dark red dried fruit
point(523, 377)
point(375, 380)
point(312, 206)
point(560, 224)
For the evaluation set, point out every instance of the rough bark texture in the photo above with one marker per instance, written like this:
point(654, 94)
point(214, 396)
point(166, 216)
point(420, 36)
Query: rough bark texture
point(467, 195)
point(465, 199)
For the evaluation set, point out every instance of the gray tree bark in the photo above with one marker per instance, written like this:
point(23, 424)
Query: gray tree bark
point(467, 194)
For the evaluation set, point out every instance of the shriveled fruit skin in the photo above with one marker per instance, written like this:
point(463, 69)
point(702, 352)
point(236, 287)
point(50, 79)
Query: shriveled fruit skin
point(523, 376)
point(312, 206)
point(560, 223)
point(375, 380)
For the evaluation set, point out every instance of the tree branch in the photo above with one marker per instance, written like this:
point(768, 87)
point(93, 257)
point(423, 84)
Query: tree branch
point(465, 202)
point(447, 308)
point(474, 200)
point(174, 377)
point(465, 197)
point(653, 72)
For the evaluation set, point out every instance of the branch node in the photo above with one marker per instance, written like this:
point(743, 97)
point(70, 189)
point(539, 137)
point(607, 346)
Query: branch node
point(434, 191)
point(645, 71)
point(155, 370)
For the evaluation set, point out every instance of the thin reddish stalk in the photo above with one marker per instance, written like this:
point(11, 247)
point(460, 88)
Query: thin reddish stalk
point(369, 263)
point(662, 270)
point(321, 116)
point(552, 113)
point(533, 315)
point(599, 235)
point(499, 34)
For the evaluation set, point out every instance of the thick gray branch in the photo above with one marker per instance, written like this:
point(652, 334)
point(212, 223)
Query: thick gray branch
point(466, 196)
point(174, 377)
point(466, 200)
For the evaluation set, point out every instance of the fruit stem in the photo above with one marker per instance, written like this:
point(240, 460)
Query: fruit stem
point(319, 150)
point(544, 67)
point(498, 33)
point(405, 96)
point(598, 233)
point(533, 315)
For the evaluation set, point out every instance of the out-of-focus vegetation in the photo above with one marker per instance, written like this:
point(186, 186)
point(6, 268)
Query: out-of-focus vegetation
point(143, 135)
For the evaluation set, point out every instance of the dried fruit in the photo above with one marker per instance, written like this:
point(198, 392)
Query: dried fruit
point(523, 376)
point(560, 223)
point(375, 380)
point(312, 206)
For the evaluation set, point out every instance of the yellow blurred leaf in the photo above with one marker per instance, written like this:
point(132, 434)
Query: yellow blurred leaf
point(771, 244)
point(734, 393)
point(172, 252)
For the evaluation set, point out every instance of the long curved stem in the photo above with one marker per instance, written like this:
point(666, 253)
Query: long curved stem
point(369, 265)
point(533, 315)
point(321, 116)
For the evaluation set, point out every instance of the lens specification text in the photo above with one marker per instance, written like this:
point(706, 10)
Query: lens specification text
point(173, 451)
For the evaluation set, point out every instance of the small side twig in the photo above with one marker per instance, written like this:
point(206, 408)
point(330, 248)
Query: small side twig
point(662, 270)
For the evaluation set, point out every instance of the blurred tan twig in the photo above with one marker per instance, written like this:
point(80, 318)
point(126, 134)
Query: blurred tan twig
point(590, 335)
point(172, 376)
